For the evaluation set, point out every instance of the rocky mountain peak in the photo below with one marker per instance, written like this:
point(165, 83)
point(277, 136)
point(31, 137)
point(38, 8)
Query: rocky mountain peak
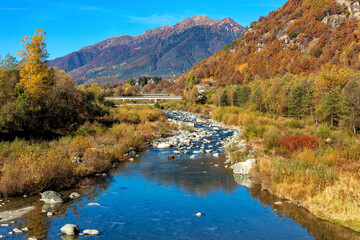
point(200, 20)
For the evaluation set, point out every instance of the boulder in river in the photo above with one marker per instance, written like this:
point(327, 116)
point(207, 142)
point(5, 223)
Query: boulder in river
point(243, 167)
point(164, 145)
point(70, 229)
point(51, 197)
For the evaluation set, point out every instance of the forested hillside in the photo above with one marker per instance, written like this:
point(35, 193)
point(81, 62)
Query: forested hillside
point(299, 38)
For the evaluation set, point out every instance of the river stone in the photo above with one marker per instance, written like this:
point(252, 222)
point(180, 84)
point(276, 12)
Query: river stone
point(16, 231)
point(51, 197)
point(243, 167)
point(164, 145)
point(70, 229)
point(91, 232)
point(74, 195)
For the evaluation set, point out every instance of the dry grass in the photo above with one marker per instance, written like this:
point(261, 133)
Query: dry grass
point(339, 202)
point(38, 166)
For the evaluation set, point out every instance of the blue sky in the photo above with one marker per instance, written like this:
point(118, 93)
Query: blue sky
point(73, 24)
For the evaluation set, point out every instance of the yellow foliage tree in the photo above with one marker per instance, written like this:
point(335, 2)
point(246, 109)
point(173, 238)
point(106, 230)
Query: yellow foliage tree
point(35, 73)
point(331, 77)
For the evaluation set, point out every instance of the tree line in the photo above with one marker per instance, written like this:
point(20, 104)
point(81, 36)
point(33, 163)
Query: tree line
point(331, 96)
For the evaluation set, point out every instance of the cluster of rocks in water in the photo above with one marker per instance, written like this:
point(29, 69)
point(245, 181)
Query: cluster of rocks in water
point(52, 197)
point(52, 201)
point(208, 137)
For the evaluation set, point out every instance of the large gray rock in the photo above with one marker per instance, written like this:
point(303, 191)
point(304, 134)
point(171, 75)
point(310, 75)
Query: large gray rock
point(51, 197)
point(243, 167)
point(70, 229)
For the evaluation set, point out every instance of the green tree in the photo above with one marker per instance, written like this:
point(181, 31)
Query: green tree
point(242, 94)
point(295, 101)
point(224, 100)
point(131, 81)
point(331, 107)
point(351, 105)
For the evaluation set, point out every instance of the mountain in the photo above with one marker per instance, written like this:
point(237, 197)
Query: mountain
point(299, 38)
point(163, 51)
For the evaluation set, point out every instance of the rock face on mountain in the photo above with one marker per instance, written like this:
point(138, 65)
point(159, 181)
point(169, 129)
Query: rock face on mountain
point(163, 51)
point(299, 38)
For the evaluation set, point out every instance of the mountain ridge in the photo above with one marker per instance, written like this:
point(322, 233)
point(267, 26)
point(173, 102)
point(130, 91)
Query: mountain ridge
point(163, 51)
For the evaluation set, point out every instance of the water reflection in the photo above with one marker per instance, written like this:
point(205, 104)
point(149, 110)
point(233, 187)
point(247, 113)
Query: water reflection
point(37, 220)
point(199, 176)
point(318, 228)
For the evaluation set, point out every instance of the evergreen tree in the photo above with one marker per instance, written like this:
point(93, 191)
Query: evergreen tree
point(331, 107)
point(296, 101)
point(224, 100)
point(243, 94)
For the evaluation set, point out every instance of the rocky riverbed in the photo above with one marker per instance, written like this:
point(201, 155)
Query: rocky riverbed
point(206, 137)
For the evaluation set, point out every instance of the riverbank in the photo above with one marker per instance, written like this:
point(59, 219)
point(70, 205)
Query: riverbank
point(68, 161)
point(313, 166)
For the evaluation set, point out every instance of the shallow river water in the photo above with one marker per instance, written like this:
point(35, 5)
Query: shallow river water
point(157, 198)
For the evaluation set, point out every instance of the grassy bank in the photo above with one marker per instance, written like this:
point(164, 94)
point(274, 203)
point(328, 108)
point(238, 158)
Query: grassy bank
point(316, 166)
point(29, 167)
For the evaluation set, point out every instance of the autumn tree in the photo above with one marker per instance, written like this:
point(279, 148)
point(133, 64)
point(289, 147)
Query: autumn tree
point(36, 77)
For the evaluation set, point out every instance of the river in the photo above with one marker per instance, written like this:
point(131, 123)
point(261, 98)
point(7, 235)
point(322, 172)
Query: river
point(156, 198)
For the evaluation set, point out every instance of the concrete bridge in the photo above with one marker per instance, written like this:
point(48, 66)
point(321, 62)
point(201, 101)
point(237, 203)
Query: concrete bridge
point(150, 97)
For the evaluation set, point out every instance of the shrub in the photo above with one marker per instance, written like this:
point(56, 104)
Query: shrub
point(293, 123)
point(295, 142)
point(271, 137)
point(85, 131)
point(96, 160)
point(253, 131)
point(324, 131)
point(37, 168)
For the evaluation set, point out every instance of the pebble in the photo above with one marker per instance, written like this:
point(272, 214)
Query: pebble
point(25, 229)
point(74, 195)
point(93, 204)
point(91, 232)
point(4, 225)
point(49, 214)
point(199, 214)
point(277, 203)
point(2, 236)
